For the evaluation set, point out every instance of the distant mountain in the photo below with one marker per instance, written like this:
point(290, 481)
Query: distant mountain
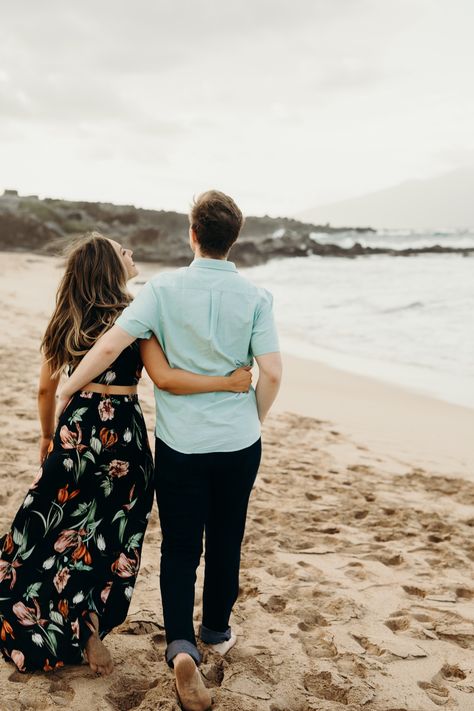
point(445, 201)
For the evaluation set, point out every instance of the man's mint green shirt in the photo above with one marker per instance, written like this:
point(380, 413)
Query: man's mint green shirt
point(209, 320)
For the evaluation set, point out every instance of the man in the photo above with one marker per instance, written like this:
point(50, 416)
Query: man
point(210, 320)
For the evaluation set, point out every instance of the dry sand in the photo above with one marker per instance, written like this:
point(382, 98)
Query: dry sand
point(357, 572)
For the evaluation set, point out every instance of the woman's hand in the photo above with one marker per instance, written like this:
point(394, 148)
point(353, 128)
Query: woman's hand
point(240, 380)
point(43, 448)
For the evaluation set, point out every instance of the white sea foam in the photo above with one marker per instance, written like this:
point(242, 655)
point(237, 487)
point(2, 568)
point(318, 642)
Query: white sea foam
point(405, 320)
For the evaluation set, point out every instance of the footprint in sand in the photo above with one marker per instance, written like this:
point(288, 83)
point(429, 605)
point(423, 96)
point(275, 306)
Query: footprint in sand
point(437, 694)
point(451, 672)
point(61, 692)
point(129, 692)
point(398, 623)
point(274, 604)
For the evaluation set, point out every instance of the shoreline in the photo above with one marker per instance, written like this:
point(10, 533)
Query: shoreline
point(389, 419)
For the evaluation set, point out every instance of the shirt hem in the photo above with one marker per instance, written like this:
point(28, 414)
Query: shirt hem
point(234, 447)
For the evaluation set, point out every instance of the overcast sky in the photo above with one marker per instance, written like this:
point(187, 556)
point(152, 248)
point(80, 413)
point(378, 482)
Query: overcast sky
point(285, 104)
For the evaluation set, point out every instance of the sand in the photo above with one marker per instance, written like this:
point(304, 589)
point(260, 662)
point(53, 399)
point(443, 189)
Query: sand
point(357, 586)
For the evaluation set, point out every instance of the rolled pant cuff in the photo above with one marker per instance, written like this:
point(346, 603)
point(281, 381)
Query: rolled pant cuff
point(177, 646)
point(210, 637)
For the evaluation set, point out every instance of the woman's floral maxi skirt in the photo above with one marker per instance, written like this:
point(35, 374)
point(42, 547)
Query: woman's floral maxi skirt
point(75, 543)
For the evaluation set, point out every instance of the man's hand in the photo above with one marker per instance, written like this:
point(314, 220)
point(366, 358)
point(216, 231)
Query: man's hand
point(240, 380)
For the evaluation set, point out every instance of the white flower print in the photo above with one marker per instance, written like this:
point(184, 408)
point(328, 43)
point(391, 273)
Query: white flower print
point(101, 542)
point(68, 464)
point(28, 501)
point(109, 377)
point(49, 562)
point(37, 639)
point(128, 592)
point(106, 409)
point(78, 597)
point(86, 394)
point(127, 435)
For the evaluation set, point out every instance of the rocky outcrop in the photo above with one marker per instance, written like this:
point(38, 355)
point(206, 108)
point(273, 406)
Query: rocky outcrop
point(45, 226)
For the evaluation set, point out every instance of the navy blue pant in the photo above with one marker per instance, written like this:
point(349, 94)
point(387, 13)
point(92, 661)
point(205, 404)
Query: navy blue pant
point(197, 495)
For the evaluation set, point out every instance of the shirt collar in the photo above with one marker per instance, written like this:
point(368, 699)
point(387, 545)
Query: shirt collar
point(222, 264)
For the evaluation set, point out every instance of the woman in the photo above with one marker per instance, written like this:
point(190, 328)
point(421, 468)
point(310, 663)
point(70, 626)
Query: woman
point(69, 563)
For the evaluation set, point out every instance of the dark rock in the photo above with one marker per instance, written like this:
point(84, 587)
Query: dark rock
point(46, 226)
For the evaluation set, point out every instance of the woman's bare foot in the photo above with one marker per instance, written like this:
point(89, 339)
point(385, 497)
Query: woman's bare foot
point(98, 656)
point(192, 693)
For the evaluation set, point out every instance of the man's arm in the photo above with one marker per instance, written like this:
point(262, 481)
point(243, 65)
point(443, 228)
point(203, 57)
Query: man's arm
point(105, 350)
point(269, 379)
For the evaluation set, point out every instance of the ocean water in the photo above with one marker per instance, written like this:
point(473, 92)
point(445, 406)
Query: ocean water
point(405, 320)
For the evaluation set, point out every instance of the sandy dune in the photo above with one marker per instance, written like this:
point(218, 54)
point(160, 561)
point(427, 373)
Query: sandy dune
point(357, 586)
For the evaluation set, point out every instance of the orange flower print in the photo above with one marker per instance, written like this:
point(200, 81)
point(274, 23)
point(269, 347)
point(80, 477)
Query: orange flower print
point(126, 567)
point(118, 468)
point(19, 659)
point(8, 543)
point(63, 608)
point(7, 629)
point(64, 495)
point(82, 552)
point(108, 437)
point(47, 667)
point(106, 409)
point(70, 439)
point(61, 578)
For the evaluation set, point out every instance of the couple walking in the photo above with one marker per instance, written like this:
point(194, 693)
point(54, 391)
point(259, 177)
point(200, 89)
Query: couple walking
point(69, 562)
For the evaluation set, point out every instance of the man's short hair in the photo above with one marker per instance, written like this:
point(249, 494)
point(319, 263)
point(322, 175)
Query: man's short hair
point(216, 221)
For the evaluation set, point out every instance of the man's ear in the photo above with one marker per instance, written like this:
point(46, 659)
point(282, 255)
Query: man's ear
point(192, 238)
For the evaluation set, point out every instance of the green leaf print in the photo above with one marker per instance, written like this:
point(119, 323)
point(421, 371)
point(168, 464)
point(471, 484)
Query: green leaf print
point(32, 590)
point(89, 457)
point(96, 445)
point(54, 517)
point(79, 565)
point(107, 486)
point(17, 536)
point(81, 509)
point(56, 617)
point(26, 554)
point(77, 415)
point(120, 514)
point(51, 641)
point(55, 628)
point(134, 541)
point(82, 465)
point(122, 526)
point(137, 432)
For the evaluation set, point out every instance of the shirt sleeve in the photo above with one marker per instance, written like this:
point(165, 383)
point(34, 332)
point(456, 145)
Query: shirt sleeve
point(264, 334)
point(140, 318)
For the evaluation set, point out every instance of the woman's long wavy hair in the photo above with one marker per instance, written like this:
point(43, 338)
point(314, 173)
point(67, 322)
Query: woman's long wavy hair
point(91, 295)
